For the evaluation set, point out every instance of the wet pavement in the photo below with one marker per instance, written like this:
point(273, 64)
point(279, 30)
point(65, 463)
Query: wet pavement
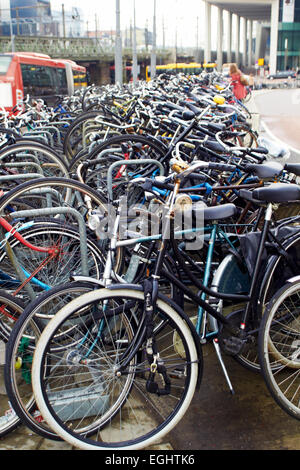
point(280, 111)
point(247, 420)
point(216, 420)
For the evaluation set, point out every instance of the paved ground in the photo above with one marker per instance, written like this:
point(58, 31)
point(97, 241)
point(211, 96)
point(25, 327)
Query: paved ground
point(280, 112)
point(217, 420)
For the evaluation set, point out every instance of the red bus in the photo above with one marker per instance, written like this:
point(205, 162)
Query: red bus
point(39, 76)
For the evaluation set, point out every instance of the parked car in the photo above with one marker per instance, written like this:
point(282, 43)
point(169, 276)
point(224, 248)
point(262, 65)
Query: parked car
point(284, 74)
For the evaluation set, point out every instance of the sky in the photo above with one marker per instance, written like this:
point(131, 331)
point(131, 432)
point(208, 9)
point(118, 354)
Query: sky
point(169, 14)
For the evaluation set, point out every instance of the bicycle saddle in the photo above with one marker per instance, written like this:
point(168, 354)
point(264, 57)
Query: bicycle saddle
point(264, 170)
point(277, 192)
point(293, 168)
point(221, 212)
point(217, 127)
point(213, 145)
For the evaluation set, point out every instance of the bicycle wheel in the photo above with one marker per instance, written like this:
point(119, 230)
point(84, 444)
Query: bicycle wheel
point(11, 308)
point(279, 348)
point(279, 268)
point(73, 141)
point(247, 138)
point(69, 201)
point(248, 95)
point(128, 146)
point(48, 271)
point(34, 158)
point(78, 384)
point(20, 348)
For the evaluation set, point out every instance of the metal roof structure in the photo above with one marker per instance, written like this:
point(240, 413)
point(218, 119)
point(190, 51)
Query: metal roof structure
point(256, 10)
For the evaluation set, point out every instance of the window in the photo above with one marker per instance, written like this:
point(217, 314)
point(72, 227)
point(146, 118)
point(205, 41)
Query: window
point(61, 81)
point(38, 80)
point(5, 61)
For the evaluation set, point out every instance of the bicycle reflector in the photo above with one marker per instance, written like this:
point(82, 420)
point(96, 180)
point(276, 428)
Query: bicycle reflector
point(219, 99)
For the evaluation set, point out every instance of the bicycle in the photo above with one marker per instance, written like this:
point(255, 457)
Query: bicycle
point(128, 366)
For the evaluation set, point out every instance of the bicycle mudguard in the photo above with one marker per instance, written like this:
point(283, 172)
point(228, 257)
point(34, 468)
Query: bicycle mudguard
point(282, 268)
point(230, 277)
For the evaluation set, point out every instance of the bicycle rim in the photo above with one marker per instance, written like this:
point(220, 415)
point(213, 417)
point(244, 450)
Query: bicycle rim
point(124, 415)
point(279, 345)
point(9, 420)
point(20, 349)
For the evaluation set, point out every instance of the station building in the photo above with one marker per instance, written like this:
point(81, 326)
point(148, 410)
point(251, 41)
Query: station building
point(256, 29)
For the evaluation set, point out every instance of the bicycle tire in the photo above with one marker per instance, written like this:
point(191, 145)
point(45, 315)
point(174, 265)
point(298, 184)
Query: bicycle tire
point(53, 159)
point(279, 340)
point(9, 421)
point(65, 188)
point(184, 345)
point(275, 275)
point(20, 348)
point(67, 240)
point(154, 149)
point(74, 126)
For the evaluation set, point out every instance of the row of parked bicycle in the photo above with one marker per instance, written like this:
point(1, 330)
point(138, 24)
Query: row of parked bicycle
point(122, 210)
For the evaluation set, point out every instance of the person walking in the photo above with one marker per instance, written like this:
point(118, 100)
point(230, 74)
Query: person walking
point(238, 82)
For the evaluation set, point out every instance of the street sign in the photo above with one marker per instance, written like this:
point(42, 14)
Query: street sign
point(261, 62)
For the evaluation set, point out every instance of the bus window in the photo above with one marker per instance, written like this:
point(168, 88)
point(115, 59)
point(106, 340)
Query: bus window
point(5, 61)
point(61, 82)
point(38, 80)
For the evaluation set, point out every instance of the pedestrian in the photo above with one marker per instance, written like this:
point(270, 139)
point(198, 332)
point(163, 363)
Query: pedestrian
point(238, 81)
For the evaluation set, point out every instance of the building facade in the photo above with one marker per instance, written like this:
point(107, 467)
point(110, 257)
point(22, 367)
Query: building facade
point(288, 50)
point(35, 18)
point(256, 29)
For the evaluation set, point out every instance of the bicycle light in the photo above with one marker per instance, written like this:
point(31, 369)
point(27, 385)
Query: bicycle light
point(182, 202)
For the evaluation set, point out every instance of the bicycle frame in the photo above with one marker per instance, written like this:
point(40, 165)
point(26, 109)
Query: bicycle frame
point(199, 299)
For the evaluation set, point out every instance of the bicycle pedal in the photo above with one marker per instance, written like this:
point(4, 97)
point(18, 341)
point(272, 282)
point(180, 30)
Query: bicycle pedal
point(232, 345)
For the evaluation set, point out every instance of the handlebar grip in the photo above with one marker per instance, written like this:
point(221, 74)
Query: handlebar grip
point(260, 150)
point(259, 158)
point(221, 167)
point(161, 185)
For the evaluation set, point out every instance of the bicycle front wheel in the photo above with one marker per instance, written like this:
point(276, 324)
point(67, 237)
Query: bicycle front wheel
point(11, 309)
point(80, 386)
point(20, 347)
point(279, 348)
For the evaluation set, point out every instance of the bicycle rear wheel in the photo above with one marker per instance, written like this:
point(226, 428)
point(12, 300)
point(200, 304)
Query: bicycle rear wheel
point(279, 348)
point(20, 349)
point(48, 272)
point(84, 369)
point(36, 158)
point(11, 308)
point(128, 146)
point(67, 201)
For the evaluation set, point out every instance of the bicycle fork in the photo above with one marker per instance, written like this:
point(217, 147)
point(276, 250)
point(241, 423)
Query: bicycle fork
point(212, 321)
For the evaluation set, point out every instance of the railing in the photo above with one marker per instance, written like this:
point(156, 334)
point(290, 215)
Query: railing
point(79, 48)
point(56, 47)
